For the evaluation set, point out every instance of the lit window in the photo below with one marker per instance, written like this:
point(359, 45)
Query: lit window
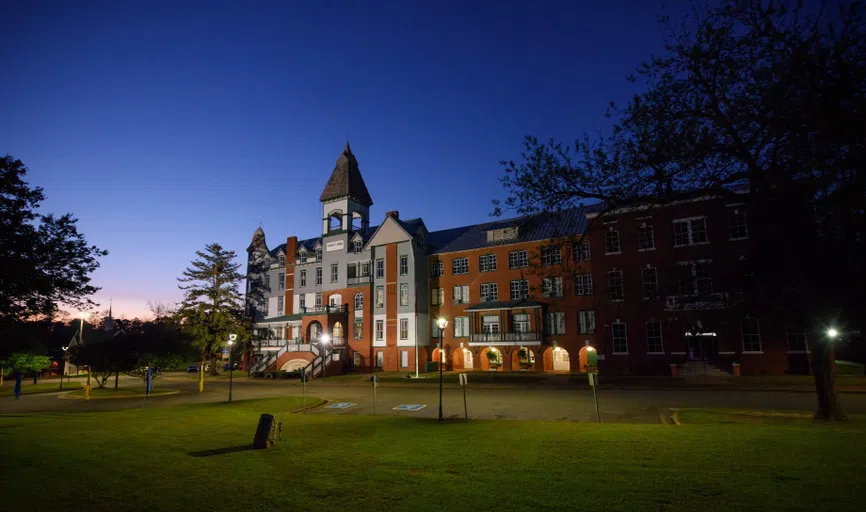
point(461, 326)
point(436, 269)
point(490, 324)
point(380, 296)
point(359, 301)
point(438, 296)
point(358, 331)
point(404, 294)
point(404, 328)
point(461, 294)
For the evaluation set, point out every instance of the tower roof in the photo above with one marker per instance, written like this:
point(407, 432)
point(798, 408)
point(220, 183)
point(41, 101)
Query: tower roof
point(346, 180)
point(258, 241)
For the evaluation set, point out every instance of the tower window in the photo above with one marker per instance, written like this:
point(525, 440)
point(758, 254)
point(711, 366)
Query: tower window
point(335, 221)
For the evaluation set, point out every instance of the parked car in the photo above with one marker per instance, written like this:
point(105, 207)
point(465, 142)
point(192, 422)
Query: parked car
point(193, 368)
point(237, 366)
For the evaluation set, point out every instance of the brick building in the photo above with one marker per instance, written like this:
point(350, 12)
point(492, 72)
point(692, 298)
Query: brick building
point(653, 290)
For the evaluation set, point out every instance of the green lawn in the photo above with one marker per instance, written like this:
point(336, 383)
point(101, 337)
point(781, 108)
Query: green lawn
point(8, 388)
point(175, 459)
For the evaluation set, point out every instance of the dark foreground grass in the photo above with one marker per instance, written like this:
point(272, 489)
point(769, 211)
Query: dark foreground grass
point(196, 458)
point(8, 388)
point(111, 392)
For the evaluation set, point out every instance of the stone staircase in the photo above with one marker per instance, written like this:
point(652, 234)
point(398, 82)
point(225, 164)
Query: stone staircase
point(699, 369)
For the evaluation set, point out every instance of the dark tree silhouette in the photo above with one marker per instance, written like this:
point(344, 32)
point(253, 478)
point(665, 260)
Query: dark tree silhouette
point(765, 95)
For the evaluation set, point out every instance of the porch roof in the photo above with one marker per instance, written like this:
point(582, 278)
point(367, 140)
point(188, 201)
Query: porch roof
point(510, 304)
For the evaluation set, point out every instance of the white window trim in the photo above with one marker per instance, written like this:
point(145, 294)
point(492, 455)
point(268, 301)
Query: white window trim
point(688, 221)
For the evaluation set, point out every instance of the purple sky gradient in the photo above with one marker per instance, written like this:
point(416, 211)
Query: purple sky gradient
point(164, 126)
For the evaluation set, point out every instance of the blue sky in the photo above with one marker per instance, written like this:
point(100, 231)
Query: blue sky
point(164, 126)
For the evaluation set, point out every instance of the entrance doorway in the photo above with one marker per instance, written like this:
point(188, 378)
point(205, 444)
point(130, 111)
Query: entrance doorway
point(703, 347)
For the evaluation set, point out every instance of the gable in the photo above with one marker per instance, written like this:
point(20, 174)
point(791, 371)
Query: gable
point(388, 233)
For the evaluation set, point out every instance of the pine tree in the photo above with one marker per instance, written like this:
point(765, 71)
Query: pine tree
point(212, 307)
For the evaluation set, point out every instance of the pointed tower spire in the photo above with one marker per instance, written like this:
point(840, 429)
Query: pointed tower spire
point(346, 180)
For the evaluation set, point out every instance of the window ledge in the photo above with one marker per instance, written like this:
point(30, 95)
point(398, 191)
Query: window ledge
point(647, 249)
point(739, 238)
point(616, 300)
point(753, 352)
point(619, 353)
point(656, 354)
point(691, 245)
point(612, 253)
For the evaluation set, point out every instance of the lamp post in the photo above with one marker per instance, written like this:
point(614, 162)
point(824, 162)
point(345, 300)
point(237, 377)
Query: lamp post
point(442, 323)
point(324, 341)
point(832, 333)
point(232, 338)
point(81, 316)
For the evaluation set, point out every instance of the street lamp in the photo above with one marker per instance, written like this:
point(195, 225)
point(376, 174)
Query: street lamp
point(81, 316)
point(442, 323)
point(232, 338)
point(832, 333)
point(324, 340)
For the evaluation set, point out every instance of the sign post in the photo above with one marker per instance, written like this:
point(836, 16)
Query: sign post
point(304, 382)
point(463, 380)
point(593, 383)
point(375, 380)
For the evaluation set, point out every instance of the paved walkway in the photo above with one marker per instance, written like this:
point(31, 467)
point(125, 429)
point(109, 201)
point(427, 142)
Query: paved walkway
point(489, 401)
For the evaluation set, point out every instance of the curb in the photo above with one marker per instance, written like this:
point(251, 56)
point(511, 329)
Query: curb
point(65, 395)
point(320, 404)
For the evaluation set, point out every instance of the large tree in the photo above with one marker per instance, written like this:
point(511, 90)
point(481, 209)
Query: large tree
point(212, 307)
point(44, 261)
point(761, 94)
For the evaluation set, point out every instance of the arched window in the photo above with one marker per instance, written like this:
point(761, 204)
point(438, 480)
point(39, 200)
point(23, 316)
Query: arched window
point(335, 221)
point(358, 246)
point(359, 301)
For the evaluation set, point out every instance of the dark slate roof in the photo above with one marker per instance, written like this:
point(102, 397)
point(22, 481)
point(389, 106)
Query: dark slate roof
point(542, 226)
point(309, 243)
point(510, 304)
point(346, 180)
point(276, 250)
point(412, 226)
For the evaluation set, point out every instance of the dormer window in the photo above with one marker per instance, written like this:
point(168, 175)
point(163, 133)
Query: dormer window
point(501, 235)
point(357, 246)
point(282, 260)
point(319, 254)
point(302, 255)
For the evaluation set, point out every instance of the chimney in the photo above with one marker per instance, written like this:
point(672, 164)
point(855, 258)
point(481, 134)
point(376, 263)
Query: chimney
point(393, 213)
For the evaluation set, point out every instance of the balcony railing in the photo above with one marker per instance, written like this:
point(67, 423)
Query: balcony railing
point(508, 337)
point(703, 301)
point(319, 310)
point(358, 280)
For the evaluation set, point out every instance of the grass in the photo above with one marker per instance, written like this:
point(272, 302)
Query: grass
point(236, 374)
point(8, 388)
point(168, 459)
